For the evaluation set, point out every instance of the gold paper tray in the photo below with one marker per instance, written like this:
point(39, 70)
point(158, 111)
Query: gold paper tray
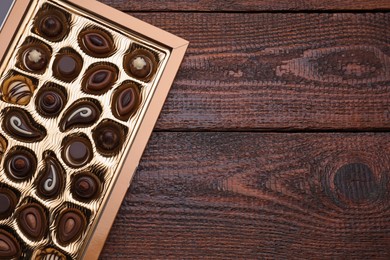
point(118, 170)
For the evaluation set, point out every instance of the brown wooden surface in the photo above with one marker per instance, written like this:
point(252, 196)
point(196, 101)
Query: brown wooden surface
point(211, 187)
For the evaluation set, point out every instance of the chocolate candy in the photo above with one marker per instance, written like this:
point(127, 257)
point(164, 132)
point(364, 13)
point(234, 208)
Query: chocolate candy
point(20, 125)
point(50, 101)
point(52, 24)
point(96, 43)
point(77, 151)
point(9, 246)
point(48, 254)
point(18, 90)
point(3, 146)
point(51, 180)
point(126, 101)
point(8, 201)
point(32, 221)
point(99, 79)
point(140, 64)
point(20, 164)
point(82, 113)
point(85, 186)
point(67, 66)
point(109, 138)
point(71, 225)
point(35, 57)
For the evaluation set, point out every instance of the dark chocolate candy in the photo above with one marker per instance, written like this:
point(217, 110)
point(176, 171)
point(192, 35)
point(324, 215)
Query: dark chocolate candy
point(82, 113)
point(35, 57)
point(71, 225)
point(67, 66)
point(32, 221)
point(109, 138)
point(52, 24)
point(8, 201)
point(126, 101)
point(50, 102)
point(140, 64)
point(20, 125)
point(77, 151)
point(85, 186)
point(99, 79)
point(20, 164)
point(51, 180)
point(18, 90)
point(96, 43)
point(9, 246)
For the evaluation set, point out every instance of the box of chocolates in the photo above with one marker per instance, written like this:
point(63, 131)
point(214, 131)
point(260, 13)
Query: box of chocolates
point(81, 87)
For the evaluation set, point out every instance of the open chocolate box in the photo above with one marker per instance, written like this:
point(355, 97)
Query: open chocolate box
point(81, 87)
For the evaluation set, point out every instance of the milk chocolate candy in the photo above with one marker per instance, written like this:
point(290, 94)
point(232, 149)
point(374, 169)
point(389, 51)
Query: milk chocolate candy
point(35, 57)
point(99, 79)
point(48, 254)
point(109, 138)
point(71, 224)
point(140, 64)
point(126, 101)
point(96, 43)
point(18, 90)
point(3, 146)
point(51, 24)
point(9, 246)
point(32, 221)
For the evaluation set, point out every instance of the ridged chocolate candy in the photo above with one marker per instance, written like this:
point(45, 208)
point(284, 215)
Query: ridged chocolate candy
point(81, 114)
point(51, 180)
point(99, 79)
point(96, 43)
point(140, 64)
point(52, 24)
point(9, 246)
point(50, 102)
point(109, 138)
point(18, 90)
point(8, 201)
point(32, 221)
point(71, 225)
point(77, 151)
point(67, 66)
point(20, 125)
point(20, 164)
point(126, 101)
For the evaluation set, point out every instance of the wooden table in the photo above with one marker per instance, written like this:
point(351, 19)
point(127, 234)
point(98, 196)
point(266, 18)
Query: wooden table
point(274, 140)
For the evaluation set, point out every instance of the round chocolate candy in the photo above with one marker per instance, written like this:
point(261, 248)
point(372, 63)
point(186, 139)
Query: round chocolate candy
point(9, 246)
point(50, 102)
point(18, 90)
point(85, 186)
point(51, 180)
point(99, 79)
point(140, 64)
point(20, 125)
point(82, 113)
point(67, 66)
point(77, 151)
point(8, 201)
point(52, 24)
point(96, 43)
point(126, 101)
point(35, 57)
point(32, 221)
point(109, 138)
point(71, 224)
point(48, 254)
point(20, 164)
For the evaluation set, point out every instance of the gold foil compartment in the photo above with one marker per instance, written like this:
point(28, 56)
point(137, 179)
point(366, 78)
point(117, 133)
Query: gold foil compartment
point(103, 166)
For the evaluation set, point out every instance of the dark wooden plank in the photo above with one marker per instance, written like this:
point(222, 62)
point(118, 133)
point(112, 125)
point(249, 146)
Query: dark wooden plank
point(257, 196)
point(279, 71)
point(248, 5)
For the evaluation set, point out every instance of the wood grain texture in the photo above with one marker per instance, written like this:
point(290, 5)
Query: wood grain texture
point(279, 71)
point(247, 5)
point(257, 196)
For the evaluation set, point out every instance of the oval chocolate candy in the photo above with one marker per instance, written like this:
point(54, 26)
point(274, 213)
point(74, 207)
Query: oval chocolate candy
point(8, 201)
point(32, 221)
point(99, 79)
point(126, 101)
point(96, 43)
point(71, 225)
point(9, 246)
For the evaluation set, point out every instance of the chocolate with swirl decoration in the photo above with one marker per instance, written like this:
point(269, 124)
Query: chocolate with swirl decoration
point(18, 90)
point(51, 181)
point(20, 125)
point(81, 114)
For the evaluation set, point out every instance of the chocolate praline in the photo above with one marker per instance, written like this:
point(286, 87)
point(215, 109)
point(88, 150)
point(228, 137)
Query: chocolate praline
point(8, 201)
point(32, 221)
point(85, 186)
point(9, 246)
point(48, 254)
point(140, 64)
point(18, 90)
point(50, 102)
point(99, 79)
point(52, 24)
point(71, 224)
point(20, 165)
point(96, 43)
point(82, 113)
point(35, 57)
point(126, 101)
point(77, 151)
point(51, 179)
point(3, 146)
point(109, 138)
point(67, 66)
